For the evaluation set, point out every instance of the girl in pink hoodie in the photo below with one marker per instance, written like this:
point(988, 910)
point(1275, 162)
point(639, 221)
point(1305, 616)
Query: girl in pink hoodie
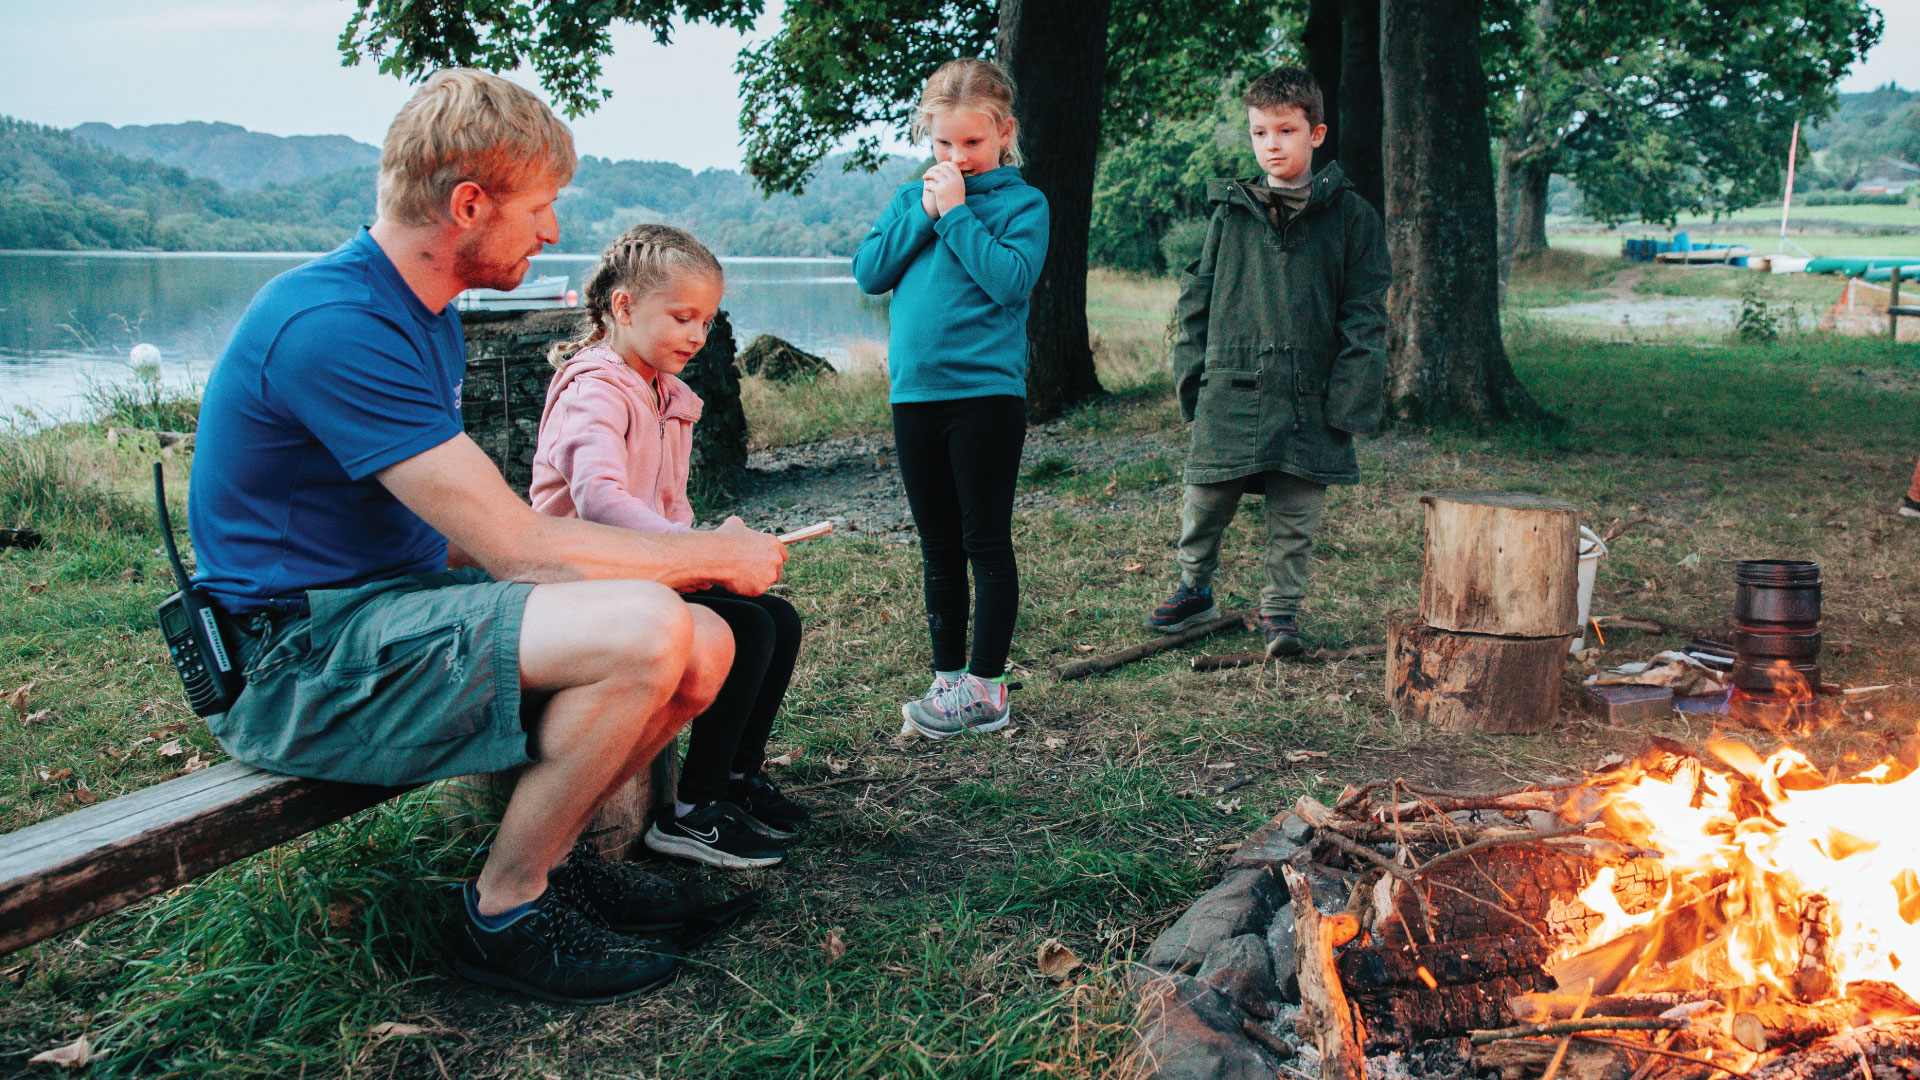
point(616, 439)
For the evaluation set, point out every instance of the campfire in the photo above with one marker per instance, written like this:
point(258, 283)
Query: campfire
point(1675, 916)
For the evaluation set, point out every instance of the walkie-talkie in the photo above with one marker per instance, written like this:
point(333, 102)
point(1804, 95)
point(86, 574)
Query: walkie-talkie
point(192, 626)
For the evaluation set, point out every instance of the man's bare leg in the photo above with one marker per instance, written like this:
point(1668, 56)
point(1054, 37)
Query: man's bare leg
point(616, 656)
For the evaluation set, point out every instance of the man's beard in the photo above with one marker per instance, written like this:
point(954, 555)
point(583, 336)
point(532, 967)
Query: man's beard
point(476, 270)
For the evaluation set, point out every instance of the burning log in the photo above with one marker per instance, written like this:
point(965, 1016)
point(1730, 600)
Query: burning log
point(1524, 1059)
point(1323, 1001)
point(1813, 978)
point(1381, 967)
point(1882, 1052)
point(1575, 1027)
point(1773, 1025)
point(1541, 1008)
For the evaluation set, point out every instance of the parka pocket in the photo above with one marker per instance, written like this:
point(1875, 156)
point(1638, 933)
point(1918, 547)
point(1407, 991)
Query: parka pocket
point(1227, 414)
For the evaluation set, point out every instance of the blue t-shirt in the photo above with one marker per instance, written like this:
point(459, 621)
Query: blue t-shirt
point(336, 371)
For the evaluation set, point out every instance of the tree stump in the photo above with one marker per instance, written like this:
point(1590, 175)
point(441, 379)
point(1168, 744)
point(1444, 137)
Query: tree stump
point(782, 361)
point(1501, 563)
point(479, 799)
point(1473, 682)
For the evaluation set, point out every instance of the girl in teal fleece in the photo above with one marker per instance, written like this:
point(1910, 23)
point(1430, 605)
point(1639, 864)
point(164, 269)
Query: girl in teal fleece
point(961, 248)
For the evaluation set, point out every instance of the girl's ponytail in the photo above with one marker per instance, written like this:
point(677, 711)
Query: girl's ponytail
point(643, 261)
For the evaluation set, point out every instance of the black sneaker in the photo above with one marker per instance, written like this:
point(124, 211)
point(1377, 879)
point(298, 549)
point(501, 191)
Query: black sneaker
point(765, 804)
point(556, 953)
point(716, 833)
point(1909, 508)
point(1283, 635)
point(1186, 607)
point(625, 897)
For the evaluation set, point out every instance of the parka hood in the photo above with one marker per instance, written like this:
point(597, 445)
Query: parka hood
point(1327, 185)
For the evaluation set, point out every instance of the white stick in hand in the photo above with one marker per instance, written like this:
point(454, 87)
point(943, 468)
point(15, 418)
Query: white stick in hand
point(811, 532)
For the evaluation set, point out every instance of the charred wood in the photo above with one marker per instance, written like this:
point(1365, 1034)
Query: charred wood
point(1540, 1008)
point(1773, 1025)
point(1389, 967)
point(1883, 1051)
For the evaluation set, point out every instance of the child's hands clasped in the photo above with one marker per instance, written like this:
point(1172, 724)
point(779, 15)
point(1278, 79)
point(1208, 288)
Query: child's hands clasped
point(942, 188)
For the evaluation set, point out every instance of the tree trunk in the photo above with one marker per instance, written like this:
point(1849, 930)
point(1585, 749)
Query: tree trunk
point(1056, 51)
point(1523, 204)
point(1359, 117)
point(1446, 357)
point(1322, 42)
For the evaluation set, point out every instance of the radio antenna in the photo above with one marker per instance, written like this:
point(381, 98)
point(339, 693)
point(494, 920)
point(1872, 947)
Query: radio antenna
point(166, 526)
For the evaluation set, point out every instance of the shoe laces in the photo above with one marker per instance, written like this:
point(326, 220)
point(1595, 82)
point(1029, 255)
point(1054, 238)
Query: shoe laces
point(962, 695)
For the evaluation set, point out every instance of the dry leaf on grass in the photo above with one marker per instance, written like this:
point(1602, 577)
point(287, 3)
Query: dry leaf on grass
point(1083, 648)
point(1227, 806)
point(74, 1055)
point(393, 1029)
point(785, 759)
point(20, 695)
point(84, 797)
point(1057, 962)
point(193, 764)
point(171, 748)
point(1055, 742)
point(1298, 757)
point(1134, 567)
point(836, 766)
point(36, 716)
point(835, 946)
point(1009, 733)
point(1072, 611)
point(51, 776)
point(36, 587)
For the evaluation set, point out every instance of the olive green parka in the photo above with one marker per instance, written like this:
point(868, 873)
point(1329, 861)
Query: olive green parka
point(1279, 355)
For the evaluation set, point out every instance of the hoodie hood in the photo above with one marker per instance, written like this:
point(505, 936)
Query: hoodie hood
point(1326, 187)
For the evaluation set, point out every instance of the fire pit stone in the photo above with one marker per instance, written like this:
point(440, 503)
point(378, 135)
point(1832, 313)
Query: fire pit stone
point(1243, 903)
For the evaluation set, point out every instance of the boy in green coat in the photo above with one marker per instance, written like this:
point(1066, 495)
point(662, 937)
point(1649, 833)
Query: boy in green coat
point(1279, 357)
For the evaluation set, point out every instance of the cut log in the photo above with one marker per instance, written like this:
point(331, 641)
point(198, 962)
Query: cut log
point(1523, 1059)
point(1883, 1052)
point(482, 797)
point(1473, 682)
point(1772, 1025)
point(1501, 563)
point(1323, 1003)
point(1393, 968)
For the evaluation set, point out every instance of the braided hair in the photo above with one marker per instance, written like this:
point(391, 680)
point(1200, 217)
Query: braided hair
point(645, 260)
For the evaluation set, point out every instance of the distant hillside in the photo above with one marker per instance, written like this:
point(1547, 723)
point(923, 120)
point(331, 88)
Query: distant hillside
point(1883, 122)
point(58, 191)
point(231, 154)
point(61, 191)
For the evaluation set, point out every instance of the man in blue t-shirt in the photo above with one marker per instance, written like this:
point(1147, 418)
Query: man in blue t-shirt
point(403, 616)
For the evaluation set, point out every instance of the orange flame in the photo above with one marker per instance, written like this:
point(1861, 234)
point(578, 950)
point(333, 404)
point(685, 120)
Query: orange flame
point(1746, 852)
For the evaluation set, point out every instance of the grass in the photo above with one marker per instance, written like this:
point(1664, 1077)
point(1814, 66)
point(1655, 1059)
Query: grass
point(1094, 821)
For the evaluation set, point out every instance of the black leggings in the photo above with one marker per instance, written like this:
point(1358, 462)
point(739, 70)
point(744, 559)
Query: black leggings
point(959, 461)
point(734, 729)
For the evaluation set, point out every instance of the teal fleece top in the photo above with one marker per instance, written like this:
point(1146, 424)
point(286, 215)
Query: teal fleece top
point(960, 285)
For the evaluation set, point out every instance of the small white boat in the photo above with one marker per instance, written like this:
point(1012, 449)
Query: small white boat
point(534, 295)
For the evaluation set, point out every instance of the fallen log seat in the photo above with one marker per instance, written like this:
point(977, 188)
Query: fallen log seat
point(71, 869)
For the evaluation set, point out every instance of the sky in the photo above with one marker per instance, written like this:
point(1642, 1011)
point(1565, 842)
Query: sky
point(273, 66)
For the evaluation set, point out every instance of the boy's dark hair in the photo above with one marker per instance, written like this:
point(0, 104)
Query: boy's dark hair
point(1288, 86)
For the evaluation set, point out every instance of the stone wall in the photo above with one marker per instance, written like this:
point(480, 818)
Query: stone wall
point(507, 375)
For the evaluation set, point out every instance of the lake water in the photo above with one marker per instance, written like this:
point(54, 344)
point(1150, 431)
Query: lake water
point(68, 319)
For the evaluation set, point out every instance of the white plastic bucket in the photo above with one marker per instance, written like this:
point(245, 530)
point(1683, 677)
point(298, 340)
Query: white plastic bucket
point(1592, 549)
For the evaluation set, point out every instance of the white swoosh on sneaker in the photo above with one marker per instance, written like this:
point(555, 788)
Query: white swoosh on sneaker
point(708, 836)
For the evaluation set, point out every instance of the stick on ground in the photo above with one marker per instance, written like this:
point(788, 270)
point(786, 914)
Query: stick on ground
point(1094, 665)
point(1255, 657)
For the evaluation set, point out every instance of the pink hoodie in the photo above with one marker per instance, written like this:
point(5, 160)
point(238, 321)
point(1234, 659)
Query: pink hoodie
point(606, 455)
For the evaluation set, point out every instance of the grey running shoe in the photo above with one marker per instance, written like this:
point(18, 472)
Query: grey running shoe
point(967, 705)
point(1187, 606)
point(1909, 508)
point(940, 685)
point(716, 833)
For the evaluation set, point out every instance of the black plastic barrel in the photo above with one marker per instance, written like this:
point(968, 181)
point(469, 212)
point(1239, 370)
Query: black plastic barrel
point(1776, 635)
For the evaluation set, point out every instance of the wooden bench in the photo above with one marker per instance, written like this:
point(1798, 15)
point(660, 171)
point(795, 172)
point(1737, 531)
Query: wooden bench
point(77, 867)
point(72, 869)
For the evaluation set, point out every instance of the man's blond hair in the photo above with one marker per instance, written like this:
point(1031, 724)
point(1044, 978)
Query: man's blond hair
point(468, 125)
